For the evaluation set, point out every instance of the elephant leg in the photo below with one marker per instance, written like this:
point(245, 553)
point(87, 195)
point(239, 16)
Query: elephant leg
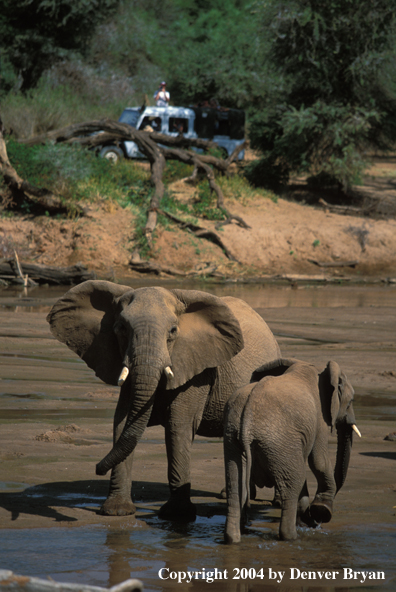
point(321, 508)
point(287, 527)
point(178, 448)
point(185, 415)
point(235, 466)
point(304, 517)
point(119, 501)
point(290, 486)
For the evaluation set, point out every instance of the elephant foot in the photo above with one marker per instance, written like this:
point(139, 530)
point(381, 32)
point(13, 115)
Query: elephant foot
point(223, 493)
point(305, 519)
point(117, 506)
point(179, 508)
point(232, 538)
point(178, 511)
point(321, 511)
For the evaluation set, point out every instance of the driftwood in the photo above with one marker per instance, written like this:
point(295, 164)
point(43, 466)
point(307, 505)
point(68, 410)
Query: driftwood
point(103, 131)
point(137, 264)
point(334, 263)
point(337, 209)
point(10, 582)
point(30, 274)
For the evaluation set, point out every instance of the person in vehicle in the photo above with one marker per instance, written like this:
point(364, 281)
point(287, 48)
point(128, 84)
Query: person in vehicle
point(162, 96)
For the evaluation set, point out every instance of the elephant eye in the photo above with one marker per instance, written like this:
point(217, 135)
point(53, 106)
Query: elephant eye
point(172, 332)
point(120, 329)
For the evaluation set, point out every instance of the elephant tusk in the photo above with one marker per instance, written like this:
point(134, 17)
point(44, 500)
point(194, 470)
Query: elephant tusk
point(355, 429)
point(123, 376)
point(168, 371)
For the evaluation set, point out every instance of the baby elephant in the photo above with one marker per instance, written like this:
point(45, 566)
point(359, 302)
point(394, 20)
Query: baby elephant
point(272, 426)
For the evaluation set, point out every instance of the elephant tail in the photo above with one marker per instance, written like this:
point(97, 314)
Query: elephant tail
point(248, 452)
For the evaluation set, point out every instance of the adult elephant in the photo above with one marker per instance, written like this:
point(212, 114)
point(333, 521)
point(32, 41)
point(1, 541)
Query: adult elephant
point(177, 355)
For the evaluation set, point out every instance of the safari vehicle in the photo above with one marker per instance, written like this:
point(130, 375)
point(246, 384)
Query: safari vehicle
point(226, 127)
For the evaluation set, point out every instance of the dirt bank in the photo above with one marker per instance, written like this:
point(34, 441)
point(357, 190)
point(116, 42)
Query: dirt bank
point(285, 237)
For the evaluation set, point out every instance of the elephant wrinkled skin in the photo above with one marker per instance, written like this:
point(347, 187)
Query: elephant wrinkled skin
point(177, 355)
point(272, 426)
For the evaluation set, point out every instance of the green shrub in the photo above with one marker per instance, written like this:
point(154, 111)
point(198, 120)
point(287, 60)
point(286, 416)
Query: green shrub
point(78, 174)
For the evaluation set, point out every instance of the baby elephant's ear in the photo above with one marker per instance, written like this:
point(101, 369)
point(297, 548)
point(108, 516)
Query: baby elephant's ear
point(83, 319)
point(329, 392)
point(209, 335)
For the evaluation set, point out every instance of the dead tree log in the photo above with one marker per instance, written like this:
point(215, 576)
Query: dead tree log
point(12, 269)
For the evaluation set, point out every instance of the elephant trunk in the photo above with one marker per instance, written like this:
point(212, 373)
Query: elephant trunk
point(344, 446)
point(145, 373)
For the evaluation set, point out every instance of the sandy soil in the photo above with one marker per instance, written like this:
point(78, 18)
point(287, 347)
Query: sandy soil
point(285, 238)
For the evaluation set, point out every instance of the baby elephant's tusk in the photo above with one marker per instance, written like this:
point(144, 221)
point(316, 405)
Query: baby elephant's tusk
point(123, 376)
point(168, 371)
point(355, 429)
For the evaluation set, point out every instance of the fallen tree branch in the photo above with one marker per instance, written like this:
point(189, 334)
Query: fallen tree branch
point(101, 132)
point(137, 264)
point(189, 157)
point(337, 209)
point(200, 232)
point(42, 274)
point(334, 263)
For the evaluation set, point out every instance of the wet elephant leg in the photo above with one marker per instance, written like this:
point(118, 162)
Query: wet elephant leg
point(235, 465)
point(304, 517)
point(287, 528)
point(290, 486)
point(119, 501)
point(321, 508)
point(185, 415)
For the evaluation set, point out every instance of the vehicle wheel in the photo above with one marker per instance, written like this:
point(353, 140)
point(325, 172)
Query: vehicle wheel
point(112, 153)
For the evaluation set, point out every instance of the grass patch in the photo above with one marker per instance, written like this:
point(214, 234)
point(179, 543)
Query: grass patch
point(237, 187)
point(176, 170)
point(76, 174)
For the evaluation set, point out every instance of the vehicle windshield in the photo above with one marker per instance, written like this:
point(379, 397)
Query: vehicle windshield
point(130, 116)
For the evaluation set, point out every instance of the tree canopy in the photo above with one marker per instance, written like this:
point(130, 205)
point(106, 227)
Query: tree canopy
point(335, 66)
point(317, 78)
point(35, 33)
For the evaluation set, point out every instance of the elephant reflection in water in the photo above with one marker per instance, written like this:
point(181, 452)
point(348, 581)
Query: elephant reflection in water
point(272, 427)
point(177, 356)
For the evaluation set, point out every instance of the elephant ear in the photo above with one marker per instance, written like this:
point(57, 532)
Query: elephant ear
point(329, 392)
point(209, 335)
point(83, 319)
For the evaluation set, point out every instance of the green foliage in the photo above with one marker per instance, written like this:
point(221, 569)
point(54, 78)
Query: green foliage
point(239, 188)
point(77, 174)
point(36, 33)
point(204, 205)
point(188, 44)
point(214, 51)
point(176, 170)
point(68, 94)
point(335, 95)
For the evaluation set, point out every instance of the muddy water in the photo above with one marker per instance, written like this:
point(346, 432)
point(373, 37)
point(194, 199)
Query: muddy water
point(55, 419)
